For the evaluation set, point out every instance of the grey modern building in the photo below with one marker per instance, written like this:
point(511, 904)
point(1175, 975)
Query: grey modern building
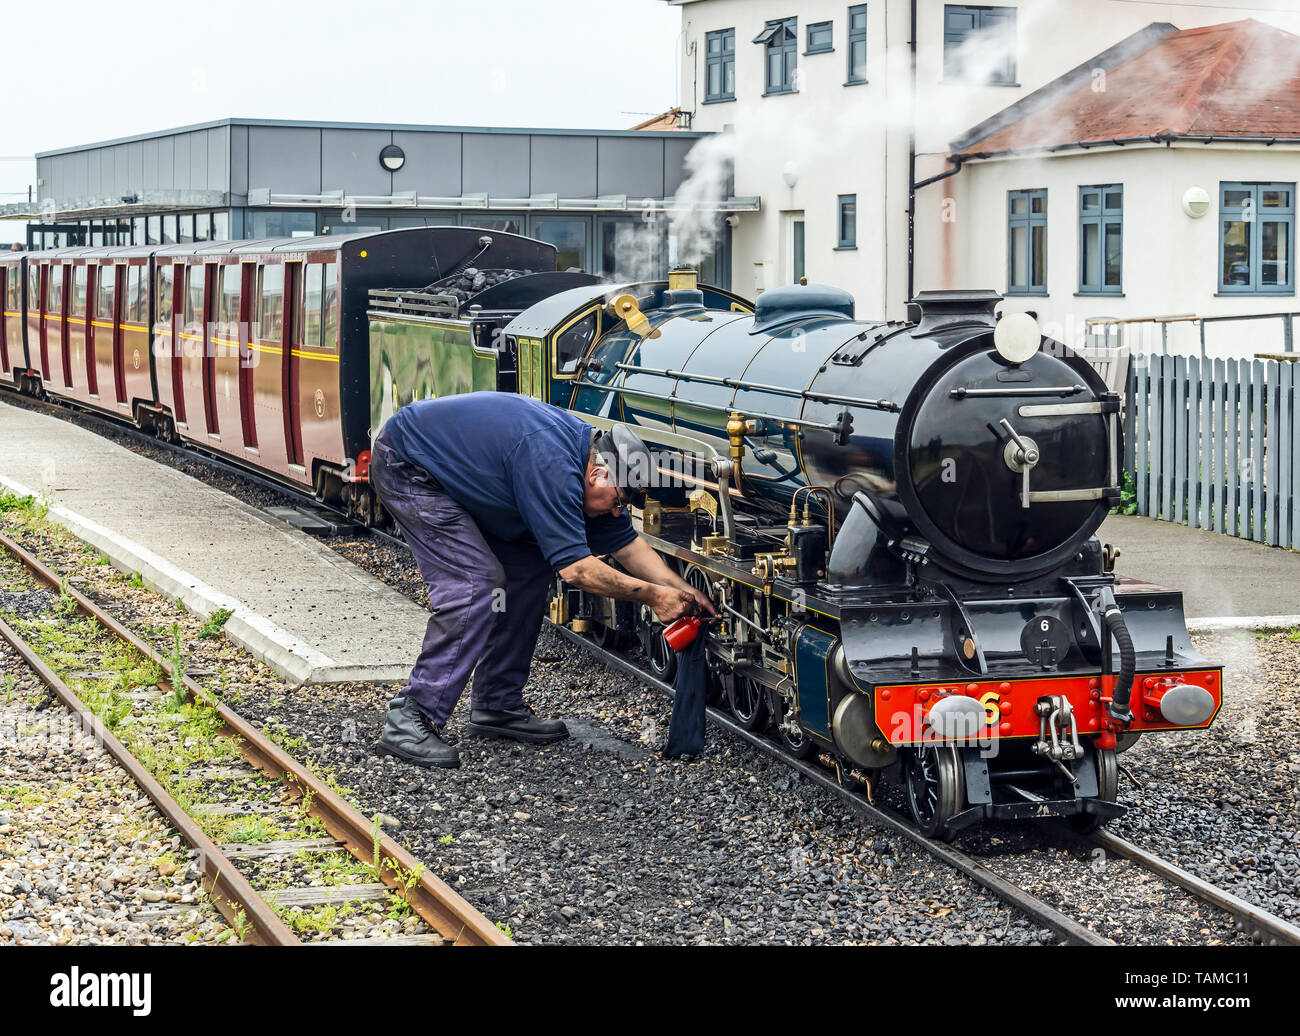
point(603, 197)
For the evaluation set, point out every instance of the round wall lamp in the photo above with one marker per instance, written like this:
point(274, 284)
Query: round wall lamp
point(1196, 203)
point(392, 158)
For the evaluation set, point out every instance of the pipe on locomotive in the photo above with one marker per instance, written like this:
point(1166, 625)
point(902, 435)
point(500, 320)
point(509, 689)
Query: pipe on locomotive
point(1113, 622)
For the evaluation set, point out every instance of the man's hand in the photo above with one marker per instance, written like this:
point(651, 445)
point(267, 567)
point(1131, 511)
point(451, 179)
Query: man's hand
point(671, 604)
point(703, 603)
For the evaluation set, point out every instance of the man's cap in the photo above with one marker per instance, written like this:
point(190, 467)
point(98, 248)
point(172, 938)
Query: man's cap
point(629, 461)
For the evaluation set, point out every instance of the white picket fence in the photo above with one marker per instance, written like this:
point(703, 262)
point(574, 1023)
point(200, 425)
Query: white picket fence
point(1211, 443)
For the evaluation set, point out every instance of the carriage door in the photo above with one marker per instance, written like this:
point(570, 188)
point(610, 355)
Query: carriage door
point(247, 296)
point(8, 274)
point(209, 358)
point(178, 288)
point(47, 280)
point(291, 343)
point(119, 315)
point(92, 325)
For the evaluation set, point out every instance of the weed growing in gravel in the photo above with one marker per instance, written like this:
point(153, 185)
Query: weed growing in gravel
point(212, 628)
point(67, 605)
point(505, 930)
point(179, 693)
point(10, 501)
point(447, 839)
point(9, 687)
point(323, 920)
point(137, 580)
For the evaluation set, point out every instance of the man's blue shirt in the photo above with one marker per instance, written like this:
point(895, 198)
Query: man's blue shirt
point(515, 464)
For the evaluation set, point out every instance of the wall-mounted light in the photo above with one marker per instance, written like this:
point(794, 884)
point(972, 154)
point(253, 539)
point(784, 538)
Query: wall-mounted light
point(790, 174)
point(1196, 203)
point(392, 158)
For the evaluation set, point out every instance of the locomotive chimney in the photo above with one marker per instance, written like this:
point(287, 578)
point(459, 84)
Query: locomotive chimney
point(933, 309)
point(682, 279)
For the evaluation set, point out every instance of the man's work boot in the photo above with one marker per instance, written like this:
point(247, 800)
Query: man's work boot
point(411, 735)
point(520, 724)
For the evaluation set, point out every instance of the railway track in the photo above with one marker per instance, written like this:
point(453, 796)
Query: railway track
point(449, 918)
point(1264, 926)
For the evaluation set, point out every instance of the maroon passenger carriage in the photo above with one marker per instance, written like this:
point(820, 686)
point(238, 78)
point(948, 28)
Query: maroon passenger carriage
point(256, 351)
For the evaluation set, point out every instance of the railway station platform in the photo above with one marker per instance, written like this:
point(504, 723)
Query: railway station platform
point(1226, 582)
point(295, 604)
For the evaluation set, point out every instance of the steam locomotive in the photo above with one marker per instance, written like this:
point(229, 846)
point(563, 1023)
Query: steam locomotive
point(897, 518)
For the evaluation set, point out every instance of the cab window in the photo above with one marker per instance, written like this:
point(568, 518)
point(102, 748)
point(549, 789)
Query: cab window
point(572, 343)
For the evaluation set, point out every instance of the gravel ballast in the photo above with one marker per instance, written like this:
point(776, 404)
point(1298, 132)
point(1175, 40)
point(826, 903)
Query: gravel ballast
point(85, 857)
point(597, 840)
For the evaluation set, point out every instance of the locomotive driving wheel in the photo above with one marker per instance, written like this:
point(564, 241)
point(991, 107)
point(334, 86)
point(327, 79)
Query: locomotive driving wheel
point(699, 579)
point(747, 699)
point(936, 789)
point(1107, 791)
point(661, 657)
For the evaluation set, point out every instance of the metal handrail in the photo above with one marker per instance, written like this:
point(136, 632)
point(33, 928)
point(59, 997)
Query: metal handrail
point(1287, 318)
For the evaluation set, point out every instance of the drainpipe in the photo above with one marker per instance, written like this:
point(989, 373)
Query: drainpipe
point(911, 169)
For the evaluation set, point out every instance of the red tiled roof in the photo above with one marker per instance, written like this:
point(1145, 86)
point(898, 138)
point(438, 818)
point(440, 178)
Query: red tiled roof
point(1239, 79)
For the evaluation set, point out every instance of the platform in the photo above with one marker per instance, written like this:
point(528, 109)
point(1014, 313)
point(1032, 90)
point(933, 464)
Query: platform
point(297, 605)
point(1226, 582)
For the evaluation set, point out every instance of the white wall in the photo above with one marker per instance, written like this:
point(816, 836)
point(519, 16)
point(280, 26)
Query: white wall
point(1170, 260)
point(854, 139)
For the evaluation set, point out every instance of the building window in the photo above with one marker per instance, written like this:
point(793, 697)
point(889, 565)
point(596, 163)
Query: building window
point(780, 40)
point(1101, 239)
point(848, 221)
point(1256, 234)
point(858, 44)
point(1027, 242)
point(979, 45)
point(720, 65)
point(820, 37)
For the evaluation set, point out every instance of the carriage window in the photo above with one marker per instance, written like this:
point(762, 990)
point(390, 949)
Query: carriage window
point(313, 282)
point(104, 307)
point(79, 275)
point(231, 277)
point(54, 291)
point(193, 297)
point(330, 330)
point(164, 296)
point(572, 344)
point(271, 290)
point(134, 295)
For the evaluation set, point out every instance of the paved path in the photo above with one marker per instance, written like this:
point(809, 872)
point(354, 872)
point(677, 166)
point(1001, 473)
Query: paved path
point(1221, 577)
point(297, 605)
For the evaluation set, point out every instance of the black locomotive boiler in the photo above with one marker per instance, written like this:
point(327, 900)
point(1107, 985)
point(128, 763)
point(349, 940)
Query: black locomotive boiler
point(899, 521)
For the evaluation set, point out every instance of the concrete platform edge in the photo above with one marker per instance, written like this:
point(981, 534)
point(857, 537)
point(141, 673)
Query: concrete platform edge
point(1256, 623)
point(255, 633)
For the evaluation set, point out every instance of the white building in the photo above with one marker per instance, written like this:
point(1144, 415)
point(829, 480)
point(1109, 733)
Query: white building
point(841, 117)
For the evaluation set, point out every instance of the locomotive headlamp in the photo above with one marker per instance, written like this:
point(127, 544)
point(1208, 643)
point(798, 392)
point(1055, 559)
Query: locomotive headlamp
point(1017, 337)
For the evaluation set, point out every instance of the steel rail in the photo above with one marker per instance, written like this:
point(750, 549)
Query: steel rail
point(1270, 926)
point(1066, 927)
point(445, 911)
point(238, 902)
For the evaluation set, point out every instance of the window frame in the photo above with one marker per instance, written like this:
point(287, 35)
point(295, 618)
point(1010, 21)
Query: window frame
point(1028, 221)
point(829, 48)
point(789, 50)
point(952, 43)
point(1103, 218)
point(724, 59)
point(848, 244)
point(1254, 241)
point(855, 36)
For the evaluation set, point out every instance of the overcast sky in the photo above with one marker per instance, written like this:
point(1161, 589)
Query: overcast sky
point(109, 70)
